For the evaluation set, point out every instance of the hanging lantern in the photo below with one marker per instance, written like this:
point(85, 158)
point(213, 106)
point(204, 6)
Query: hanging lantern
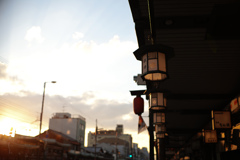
point(138, 105)
point(160, 130)
point(153, 59)
point(157, 101)
point(158, 118)
point(154, 66)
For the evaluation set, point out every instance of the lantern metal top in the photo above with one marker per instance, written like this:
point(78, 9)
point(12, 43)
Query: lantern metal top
point(168, 51)
point(137, 92)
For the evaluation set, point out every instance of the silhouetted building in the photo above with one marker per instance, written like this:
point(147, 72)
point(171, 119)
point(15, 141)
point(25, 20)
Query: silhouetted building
point(74, 127)
point(118, 146)
point(110, 134)
point(119, 129)
point(58, 138)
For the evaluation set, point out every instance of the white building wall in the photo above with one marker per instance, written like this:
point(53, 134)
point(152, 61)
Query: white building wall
point(67, 126)
point(72, 127)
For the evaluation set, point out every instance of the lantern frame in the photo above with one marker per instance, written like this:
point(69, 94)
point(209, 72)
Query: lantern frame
point(157, 101)
point(160, 135)
point(154, 61)
point(160, 128)
point(159, 117)
point(154, 66)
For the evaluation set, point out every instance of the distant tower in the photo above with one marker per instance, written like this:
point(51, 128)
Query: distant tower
point(119, 129)
point(73, 127)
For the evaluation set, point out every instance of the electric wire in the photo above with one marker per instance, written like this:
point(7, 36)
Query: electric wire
point(15, 111)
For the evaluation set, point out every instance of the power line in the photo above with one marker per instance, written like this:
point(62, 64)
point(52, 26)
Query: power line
point(13, 110)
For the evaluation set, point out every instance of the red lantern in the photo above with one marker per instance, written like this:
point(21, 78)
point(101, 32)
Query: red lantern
point(138, 105)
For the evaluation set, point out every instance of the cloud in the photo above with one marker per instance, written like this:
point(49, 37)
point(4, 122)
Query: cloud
point(127, 117)
point(77, 35)
point(3, 73)
point(34, 34)
point(8, 82)
point(26, 106)
point(107, 68)
point(93, 80)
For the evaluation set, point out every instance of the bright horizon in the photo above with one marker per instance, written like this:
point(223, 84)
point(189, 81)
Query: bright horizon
point(86, 46)
point(23, 128)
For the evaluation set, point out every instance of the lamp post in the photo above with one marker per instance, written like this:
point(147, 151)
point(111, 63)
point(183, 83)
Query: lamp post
point(41, 114)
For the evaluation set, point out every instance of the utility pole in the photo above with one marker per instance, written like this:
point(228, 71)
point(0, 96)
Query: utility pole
point(41, 114)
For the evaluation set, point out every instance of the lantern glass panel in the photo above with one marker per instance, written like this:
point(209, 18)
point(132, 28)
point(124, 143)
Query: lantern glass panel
point(152, 65)
point(156, 76)
point(165, 102)
point(161, 62)
point(148, 76)
point(160, 128)
point(154, 118)
point(160, 135)
point(160, 99)
point(152, 55)
point(154, 102)
point(163, 117)
point(158, 117)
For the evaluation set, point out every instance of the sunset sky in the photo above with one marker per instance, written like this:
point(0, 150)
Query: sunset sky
point(86, 46)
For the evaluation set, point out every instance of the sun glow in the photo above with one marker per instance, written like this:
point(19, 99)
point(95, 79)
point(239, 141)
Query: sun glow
point(9, 127)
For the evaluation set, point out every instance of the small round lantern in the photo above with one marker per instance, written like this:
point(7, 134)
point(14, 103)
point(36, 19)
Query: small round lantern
point(138, 105)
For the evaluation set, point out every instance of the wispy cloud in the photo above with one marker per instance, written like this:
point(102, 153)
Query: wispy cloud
point(34, 34)
point(77, 35)
point(8, 83)
point(3, 73)
point(81, 66)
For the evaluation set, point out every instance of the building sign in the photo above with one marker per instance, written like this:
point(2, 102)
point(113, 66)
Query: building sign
point(210, 136)
point(235, 105)
point(222, 119)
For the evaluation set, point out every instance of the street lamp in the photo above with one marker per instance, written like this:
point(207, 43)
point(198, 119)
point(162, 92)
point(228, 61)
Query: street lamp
point(160, 130)
point(41, 114)
point(157, 101)
point(153, 58)
point(158, 117)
